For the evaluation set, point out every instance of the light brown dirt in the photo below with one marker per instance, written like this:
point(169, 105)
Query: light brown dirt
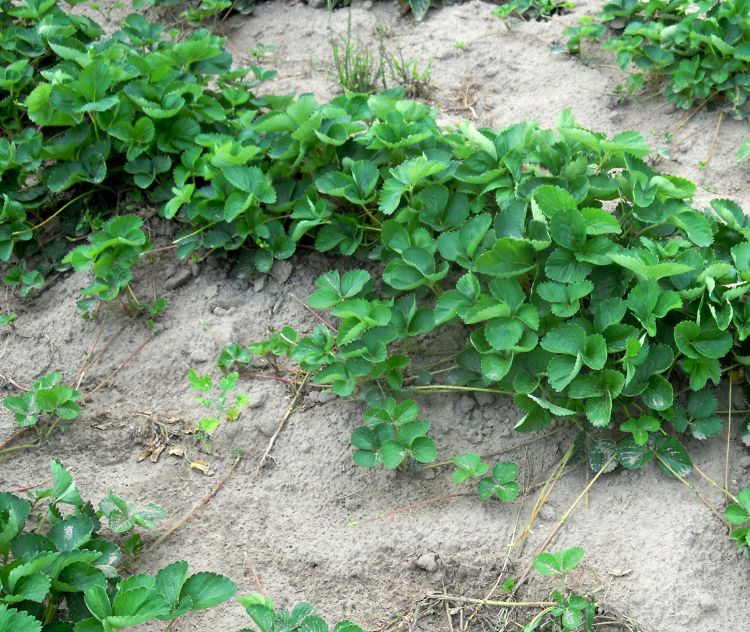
point(653, 551)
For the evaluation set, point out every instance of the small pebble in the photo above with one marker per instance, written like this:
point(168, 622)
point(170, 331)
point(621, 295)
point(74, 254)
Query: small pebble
point(258, 401)
point(466, 404)
point(427, 562)
point(546, 513)
point(178, 279)
point(706, 602)
point(199, 356)
point(483, 399)
point(281, 271)
point(267, 426)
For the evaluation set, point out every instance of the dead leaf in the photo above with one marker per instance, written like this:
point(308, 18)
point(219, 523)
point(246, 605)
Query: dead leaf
point(156, 453)
point(200, 465)
point(177, 452)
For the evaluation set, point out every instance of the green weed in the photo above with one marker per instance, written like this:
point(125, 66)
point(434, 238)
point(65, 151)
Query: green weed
point(358, 68)
point(225, 405)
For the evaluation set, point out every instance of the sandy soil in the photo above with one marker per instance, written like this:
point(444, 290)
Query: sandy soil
point(653, 551)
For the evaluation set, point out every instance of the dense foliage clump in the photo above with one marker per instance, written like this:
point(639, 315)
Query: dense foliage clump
point(697, 51)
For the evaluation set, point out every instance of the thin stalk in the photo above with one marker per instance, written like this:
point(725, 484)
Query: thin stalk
point(51, 217)
point(314, 313)
point(729, 437)
point(490, 602)
point(687, 119)
point(16, 448)
point(13, 437)
point(447, 388)
point(195, 232)
point(77, 380)
point(713, 483)
point(117, 369)
point(283, 421)
point(206, 499)
point(692, 488)
point(563, 520)
point(549, 484)
point(416, 505)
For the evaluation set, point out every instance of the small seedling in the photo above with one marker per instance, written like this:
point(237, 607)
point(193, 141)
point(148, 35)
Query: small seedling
point(572, 611)
point(261, 51)
point(501, 482)
point(225, 405)
point(738, 515)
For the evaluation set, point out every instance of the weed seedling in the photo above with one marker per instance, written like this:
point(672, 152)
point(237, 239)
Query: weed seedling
point(406, 73)
point(358, 68)
point(224, 405)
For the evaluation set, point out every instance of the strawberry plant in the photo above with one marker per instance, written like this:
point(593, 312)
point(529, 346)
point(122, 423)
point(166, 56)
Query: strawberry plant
point(500, 482)
point(571, 611)
point(392, 435)
point(533, 9)
point(585, 283)
point(92, 132)
point(738, 515)
point(583, 314)
point(47, 401)
point(698, 51)
point(268, 618)
point(59, 571)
